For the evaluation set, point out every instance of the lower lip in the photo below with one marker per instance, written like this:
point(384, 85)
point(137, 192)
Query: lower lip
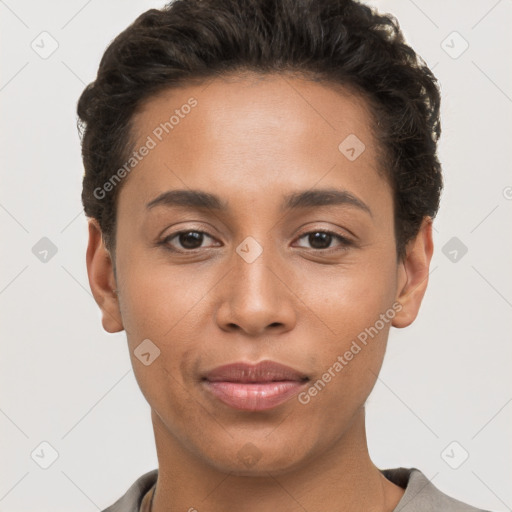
point(254, 396)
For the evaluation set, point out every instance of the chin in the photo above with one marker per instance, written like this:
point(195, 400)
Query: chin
point(252, 460)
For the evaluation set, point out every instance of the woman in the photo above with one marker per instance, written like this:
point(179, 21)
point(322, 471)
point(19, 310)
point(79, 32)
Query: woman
point(261, 179)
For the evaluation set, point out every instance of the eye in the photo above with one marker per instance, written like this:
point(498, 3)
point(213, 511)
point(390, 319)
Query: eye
point(321, 240)
point(188, 240)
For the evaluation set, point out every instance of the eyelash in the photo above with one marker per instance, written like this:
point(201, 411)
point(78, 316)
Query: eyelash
point(345, 242)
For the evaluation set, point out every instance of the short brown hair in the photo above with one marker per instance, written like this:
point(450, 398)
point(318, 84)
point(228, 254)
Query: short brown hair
point(337, 41)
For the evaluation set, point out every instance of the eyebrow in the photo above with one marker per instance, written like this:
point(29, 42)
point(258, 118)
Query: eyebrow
point(294, 201)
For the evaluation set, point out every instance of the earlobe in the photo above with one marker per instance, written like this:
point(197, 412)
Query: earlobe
point(413, 274)
point(102, 280)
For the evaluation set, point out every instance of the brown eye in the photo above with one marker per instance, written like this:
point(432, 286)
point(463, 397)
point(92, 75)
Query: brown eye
point(186, 240)
point(321, 240)
point(191, 239)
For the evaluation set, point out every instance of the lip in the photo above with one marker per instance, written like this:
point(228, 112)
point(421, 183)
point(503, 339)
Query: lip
point(254, 387)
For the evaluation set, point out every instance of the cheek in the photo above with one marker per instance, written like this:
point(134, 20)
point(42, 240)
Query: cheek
point(156, 308)
point(349, 298)
point(158, 299)
point(163, 304)
point(356, 309)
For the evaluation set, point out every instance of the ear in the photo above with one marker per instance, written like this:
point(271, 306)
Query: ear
point(413, 273)
point(102, 279)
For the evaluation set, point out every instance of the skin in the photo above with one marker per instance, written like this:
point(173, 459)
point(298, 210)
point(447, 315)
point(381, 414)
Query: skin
point(251, 140)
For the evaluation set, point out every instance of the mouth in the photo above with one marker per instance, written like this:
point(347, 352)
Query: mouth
point(256, 387)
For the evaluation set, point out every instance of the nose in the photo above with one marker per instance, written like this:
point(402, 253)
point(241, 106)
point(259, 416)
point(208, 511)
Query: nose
point(255, 297)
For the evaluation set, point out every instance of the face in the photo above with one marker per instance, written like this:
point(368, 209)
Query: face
point(260, 272)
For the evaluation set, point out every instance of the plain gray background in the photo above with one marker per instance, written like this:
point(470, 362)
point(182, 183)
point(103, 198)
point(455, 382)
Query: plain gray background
point(445, 387)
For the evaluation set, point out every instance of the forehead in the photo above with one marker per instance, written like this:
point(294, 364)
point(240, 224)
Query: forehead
point(254, 134)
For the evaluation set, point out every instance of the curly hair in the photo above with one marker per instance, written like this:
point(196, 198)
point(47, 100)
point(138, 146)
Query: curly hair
point(338, 42)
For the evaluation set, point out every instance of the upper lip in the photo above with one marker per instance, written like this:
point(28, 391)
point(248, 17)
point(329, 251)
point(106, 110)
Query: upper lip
point(264, 371)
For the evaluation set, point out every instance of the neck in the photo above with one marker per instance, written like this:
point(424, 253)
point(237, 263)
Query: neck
point(341, 479)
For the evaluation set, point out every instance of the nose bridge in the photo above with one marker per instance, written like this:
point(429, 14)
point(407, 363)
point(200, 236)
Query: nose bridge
point(255, 298)
point(251, 262)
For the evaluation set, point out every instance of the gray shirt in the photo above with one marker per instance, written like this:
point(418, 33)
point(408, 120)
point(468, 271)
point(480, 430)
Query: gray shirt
point(420, 494)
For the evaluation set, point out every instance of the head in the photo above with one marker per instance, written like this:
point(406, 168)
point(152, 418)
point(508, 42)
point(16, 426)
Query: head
point(308, 130)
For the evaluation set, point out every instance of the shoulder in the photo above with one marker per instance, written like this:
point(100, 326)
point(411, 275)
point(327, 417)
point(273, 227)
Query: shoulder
point(131, 500)
point(421, 495)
